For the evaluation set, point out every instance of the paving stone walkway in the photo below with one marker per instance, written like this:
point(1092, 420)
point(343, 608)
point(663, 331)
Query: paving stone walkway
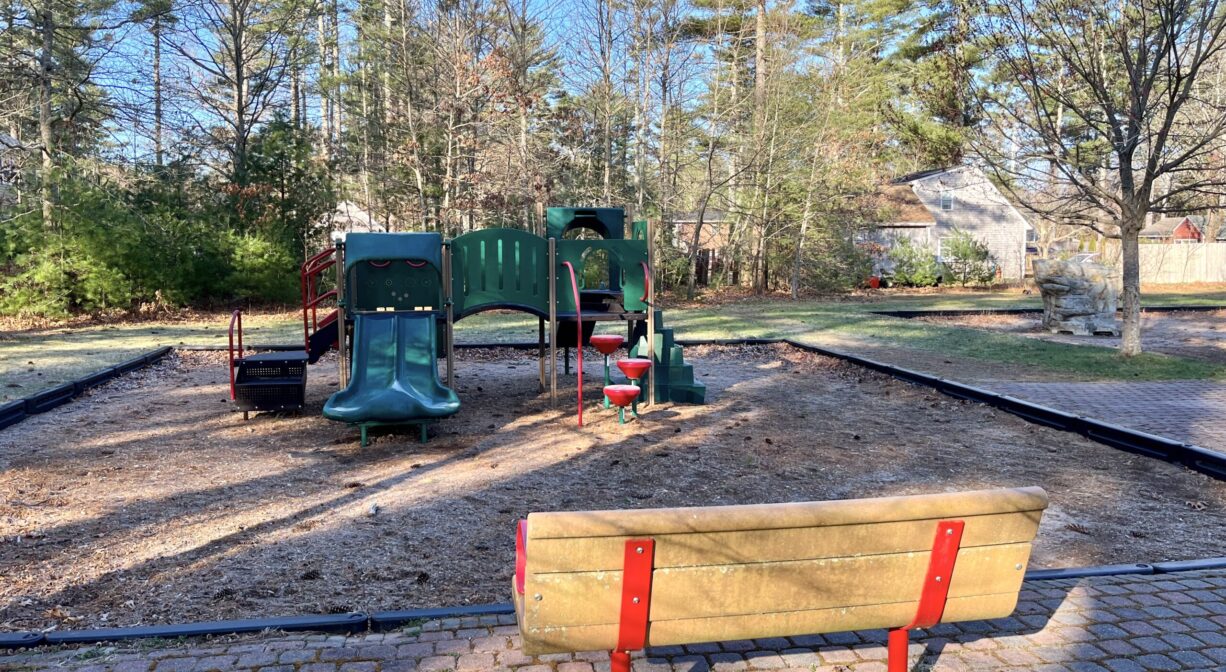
point(1191, 411)
point(1115, 623)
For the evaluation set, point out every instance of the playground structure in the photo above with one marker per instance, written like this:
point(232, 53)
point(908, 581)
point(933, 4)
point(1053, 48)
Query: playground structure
point(398, 296)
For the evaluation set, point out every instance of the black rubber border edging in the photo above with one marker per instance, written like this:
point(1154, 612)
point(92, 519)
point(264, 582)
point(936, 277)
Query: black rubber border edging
point(390, 620)
point(14, 412)
point(384, 621)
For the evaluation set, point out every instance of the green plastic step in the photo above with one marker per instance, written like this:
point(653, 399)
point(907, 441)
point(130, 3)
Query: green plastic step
point(674, 377)
point(681, 375)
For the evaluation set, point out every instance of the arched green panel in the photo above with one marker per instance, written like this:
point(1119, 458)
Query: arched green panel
point(610, 223)
point(499, 268)
point(628, 255)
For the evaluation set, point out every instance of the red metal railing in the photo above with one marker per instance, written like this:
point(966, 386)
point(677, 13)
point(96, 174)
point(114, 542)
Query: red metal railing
point(236, 318)
point(310, 288)
point(574, 285)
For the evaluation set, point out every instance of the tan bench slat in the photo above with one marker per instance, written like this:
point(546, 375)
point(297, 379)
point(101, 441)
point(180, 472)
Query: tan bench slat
point(651, 522)
point(590, 554)
point(537, 641)
point(590, 598)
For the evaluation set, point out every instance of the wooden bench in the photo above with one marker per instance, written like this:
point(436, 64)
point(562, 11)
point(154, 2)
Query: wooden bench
point(624, 580)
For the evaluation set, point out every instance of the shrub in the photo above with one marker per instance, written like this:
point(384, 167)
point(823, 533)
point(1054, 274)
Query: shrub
point(968, 259)
point(914, 265)
point(262, 270)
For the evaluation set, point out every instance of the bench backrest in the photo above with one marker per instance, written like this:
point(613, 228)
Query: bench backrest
point(741, 572)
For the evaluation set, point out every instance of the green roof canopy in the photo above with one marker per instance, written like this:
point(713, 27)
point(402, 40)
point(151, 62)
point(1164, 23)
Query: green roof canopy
point(425, 247)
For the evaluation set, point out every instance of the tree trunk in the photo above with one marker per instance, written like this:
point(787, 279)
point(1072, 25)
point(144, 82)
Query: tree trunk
point(757, 231)
point(325, 105)
point(295, 88)
point(45, 61)
point(804, 222)
point(157, 90)
point(1130, 343)
point(606, 68)
point(239, 96)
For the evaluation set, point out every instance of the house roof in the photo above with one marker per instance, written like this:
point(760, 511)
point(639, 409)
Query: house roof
point(1165, 226)
point(899, 206)
point(921, 174)
point(9, 142)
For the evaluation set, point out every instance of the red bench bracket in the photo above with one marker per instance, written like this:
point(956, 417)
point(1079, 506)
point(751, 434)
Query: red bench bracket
point(935, 593)
point(636, 602)
point(521, 555)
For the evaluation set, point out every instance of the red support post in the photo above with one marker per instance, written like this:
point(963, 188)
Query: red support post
point(935, 591)
point(636, 602)
point(574, 285)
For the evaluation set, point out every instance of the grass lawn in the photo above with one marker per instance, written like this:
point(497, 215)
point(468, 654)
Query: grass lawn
point(37, 359)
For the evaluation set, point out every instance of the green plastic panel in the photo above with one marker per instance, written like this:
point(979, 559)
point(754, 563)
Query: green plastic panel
point(393, 271)
point(499, 268)
point(392, 285)
point(638, 230)
point(609, 223)
point(626, 259)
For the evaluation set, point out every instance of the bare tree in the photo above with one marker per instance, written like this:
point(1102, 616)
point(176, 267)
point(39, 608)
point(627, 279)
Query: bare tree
point(237, 53)
point(1108, 102)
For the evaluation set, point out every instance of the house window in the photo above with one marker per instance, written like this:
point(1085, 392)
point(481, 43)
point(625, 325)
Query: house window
point(947, 200)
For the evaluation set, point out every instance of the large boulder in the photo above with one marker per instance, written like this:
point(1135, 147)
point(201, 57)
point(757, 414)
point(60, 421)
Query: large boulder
point(1078, 298)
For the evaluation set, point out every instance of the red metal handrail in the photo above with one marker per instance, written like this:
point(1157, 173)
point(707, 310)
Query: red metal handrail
point(574, 285)
point(311, 268)
point(321, 298)
point(646, 283)
point(321, 255)
point(235, 318)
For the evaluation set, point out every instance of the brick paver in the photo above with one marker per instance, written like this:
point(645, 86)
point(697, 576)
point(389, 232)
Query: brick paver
point(1084, 625)
point(1183, 410)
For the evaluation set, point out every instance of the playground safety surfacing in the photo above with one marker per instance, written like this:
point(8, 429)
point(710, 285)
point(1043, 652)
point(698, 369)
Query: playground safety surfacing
point(149, 501)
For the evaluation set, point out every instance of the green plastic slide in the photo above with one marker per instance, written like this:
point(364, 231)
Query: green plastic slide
point(394, 376)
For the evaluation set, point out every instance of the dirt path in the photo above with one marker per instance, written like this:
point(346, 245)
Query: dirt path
point(150, 502)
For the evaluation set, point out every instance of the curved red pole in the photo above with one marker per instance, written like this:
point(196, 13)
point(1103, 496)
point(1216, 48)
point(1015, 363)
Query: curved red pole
point(646, 283)
point(574, 286)
point(236, 316)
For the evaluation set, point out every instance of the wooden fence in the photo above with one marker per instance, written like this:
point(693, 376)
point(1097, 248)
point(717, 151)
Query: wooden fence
point(1177, 263)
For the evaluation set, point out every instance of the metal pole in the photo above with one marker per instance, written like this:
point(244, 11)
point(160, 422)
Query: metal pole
point(553, 324)
point(341, 299)
point(448, 332)
point(651, 315)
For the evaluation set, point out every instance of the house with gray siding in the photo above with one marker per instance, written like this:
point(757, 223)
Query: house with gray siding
point(929, 206)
